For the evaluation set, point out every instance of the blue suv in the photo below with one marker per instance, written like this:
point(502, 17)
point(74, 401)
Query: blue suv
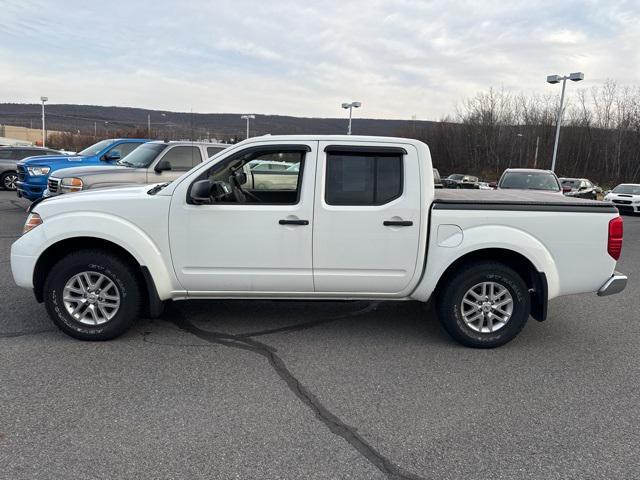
point(34, 172)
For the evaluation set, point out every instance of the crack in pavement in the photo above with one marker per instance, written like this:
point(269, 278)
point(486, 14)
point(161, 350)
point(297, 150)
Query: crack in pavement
point(25, 333)
point(322, 413)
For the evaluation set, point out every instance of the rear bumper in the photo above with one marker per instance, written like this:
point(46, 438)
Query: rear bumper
point(616, 283)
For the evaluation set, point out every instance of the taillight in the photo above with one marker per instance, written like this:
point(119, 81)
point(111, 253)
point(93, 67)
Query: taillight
point(614, 245)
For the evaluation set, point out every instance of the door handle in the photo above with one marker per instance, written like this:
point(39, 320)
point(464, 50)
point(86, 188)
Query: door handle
point(397, 223)
point(293, 222)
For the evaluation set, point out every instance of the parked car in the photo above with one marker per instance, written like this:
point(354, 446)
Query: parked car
point(484, 186)
point(457, 180)
point(9, 157)
point(579, 187)
point(33, 173)
point(626, 197)
point(151, 162)
point(437, 181)
point(363, 222)
point(529, 179)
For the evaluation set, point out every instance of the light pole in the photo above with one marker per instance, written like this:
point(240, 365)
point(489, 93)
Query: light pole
point(351, 106)
point(149, 125)
point(574, 77)
point(247, 118)
point(44, 132)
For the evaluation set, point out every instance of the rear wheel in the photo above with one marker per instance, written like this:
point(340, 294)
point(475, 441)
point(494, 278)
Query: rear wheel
point(484, 304)
point(92, 295)
point(8, 180)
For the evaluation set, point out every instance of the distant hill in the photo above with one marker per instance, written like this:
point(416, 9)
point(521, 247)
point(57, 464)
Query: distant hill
point(167, 124)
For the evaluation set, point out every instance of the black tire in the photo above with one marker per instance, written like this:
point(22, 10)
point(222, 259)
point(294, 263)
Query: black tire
point(458, 283)
point(116, 270)
point(4, 180)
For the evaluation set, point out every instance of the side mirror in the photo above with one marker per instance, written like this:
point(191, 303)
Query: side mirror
point(201, 191)
point(162, 166)
point(107, 157)
point(566, 189)
point(493, 184)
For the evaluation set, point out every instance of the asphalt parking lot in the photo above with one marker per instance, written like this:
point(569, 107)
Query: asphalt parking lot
point(329, 390)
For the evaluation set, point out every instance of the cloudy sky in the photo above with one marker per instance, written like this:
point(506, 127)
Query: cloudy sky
point(400, 58)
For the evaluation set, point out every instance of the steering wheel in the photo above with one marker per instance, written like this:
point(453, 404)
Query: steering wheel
point(236, 180)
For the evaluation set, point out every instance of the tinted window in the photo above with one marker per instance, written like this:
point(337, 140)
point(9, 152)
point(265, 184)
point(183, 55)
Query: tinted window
point(362, 179)
point(211, 151)
point(183, 158)
point(6, 154)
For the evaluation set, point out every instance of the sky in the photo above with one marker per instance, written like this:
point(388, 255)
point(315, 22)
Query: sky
point(304, 58)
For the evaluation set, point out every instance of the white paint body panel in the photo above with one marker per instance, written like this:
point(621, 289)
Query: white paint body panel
point(225, 251)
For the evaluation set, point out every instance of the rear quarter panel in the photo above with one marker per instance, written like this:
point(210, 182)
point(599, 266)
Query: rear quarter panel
point(569, 247)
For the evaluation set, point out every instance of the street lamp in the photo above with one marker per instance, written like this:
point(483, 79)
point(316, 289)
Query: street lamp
point(351, 106)
point(44, 134)
point(553, 79)
point(247, 118)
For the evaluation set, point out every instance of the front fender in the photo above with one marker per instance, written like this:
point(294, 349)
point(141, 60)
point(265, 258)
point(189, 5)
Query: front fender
point(108, 227)
point(482, 237)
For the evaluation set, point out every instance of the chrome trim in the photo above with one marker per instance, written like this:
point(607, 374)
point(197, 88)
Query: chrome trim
point(616, 283)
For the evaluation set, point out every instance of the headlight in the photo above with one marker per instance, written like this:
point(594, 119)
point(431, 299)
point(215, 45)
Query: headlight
point(607, 198)
point(38, 171)
point(33, 220)
point(71, 184)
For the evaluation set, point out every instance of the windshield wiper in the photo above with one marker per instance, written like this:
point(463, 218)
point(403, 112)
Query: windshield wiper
point(157, 188)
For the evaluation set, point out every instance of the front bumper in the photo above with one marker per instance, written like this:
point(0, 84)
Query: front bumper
point(615, 284)
point(30, 191)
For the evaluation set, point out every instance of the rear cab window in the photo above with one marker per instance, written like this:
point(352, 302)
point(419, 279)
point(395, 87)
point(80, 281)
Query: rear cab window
point(363, 178)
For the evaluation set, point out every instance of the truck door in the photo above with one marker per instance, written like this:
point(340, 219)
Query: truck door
point(366, 218)
point(259, 245)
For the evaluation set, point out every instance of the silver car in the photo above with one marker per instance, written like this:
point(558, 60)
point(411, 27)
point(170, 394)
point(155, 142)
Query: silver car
point(10, 156)
point(152, 162)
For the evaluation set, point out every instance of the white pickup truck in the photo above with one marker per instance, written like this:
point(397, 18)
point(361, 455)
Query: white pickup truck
point(362, 223)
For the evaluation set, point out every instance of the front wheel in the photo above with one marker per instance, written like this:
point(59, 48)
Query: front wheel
point(92, 295)
point(8, 181)
point(484, 304)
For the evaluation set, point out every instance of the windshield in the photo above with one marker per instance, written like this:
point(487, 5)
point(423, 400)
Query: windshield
point(455, 176)
point(142, 156)
point(530, 181)
point(570, 183)
point(96, 148)
point(628, 189)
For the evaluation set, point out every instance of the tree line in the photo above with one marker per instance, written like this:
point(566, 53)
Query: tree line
point(494, 130)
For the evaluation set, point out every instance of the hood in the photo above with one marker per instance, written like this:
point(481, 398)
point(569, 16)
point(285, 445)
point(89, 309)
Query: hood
point(110, 201)
point(91, 170)
point(45, 160)
point(623, 196)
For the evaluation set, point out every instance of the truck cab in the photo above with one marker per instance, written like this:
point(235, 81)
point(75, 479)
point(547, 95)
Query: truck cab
point(33, 173)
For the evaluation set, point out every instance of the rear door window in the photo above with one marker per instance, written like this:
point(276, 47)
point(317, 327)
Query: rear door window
point(362, 178)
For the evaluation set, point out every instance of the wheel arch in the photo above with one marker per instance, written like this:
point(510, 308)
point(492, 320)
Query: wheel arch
point(535, 280)
point(58, 250)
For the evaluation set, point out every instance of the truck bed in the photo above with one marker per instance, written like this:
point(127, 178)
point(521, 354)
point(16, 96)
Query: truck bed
point(462, 199)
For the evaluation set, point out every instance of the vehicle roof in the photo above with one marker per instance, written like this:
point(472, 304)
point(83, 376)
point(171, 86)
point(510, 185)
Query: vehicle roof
point(629, 184)
point(527, 170)
point(186, 142)
point(30, 147)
